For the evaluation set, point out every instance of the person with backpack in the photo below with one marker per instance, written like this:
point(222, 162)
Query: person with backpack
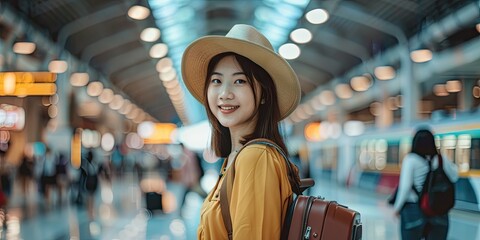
point(420, 172)
point(89, 179)
point(247, 89)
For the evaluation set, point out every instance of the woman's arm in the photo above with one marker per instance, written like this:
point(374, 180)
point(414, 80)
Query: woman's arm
point(406, 182)
point(257, 194)
point(450, 168)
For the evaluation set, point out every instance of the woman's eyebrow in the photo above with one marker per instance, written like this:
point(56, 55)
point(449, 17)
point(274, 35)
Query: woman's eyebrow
point(234, 74)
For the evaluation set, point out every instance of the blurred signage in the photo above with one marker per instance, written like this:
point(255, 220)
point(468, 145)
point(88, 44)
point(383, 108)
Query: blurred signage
point(11, 117)
point(161, 133)
point(27, 83)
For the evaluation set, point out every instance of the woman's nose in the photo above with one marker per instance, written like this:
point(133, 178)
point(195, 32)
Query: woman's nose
point(226, 92)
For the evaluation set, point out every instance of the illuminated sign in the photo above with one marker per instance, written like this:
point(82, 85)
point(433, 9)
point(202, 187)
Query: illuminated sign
point(27, 83)
point(11, 117)
point(161, 133)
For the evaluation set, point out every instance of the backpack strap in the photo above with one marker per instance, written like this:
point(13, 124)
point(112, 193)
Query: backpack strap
point(227, 184)
point(440, 165)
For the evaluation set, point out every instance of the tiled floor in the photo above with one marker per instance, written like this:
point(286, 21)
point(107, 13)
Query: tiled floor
point(120, 214)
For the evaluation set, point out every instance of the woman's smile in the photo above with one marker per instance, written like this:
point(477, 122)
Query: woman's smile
point(227, 108)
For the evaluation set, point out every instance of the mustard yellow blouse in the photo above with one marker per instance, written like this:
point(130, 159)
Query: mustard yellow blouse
point(260, 197)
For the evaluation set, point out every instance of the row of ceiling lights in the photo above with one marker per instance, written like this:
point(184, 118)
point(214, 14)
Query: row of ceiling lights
point(94, 88)
point(115, 101)
point(343, 91)
point(164, 66)
point(357, 83)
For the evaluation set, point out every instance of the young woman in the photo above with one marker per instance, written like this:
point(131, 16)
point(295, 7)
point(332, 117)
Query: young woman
point(247, 89)
point(414, 224)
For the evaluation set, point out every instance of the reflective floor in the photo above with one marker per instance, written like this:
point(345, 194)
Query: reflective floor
point(120, 214)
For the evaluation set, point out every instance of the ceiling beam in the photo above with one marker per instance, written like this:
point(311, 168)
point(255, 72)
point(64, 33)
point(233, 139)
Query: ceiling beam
point(95, 18)
point(108, 43)
point(125, 60)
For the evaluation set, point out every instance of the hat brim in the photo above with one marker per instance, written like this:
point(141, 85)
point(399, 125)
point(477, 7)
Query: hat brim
point(199, 53)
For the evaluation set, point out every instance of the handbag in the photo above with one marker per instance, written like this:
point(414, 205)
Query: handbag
point(307, 217)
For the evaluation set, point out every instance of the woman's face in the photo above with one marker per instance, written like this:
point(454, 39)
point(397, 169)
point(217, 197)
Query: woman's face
point(230, 96)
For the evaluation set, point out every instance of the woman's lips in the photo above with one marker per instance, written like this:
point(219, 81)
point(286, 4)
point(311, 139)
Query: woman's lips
point(226, 109)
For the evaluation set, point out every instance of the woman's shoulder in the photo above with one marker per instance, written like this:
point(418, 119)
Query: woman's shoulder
point(253, 152)
point(413, 158)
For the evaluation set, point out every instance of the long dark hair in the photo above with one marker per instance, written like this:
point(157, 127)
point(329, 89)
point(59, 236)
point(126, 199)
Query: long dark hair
point(423, 144)
point(268, 114)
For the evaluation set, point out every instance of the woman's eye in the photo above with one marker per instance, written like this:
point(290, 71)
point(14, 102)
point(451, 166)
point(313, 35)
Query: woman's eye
point(240, 81)
point(216, 81)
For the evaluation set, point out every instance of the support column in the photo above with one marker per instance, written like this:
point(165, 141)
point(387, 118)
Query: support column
point(465, 96)
point(409, 90)
point(59, 137)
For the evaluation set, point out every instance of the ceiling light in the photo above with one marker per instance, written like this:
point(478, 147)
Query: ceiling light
point(289, 51)
point(317, 16)
point(440, 90)
point(79, 79)
point(9, 83)
point(168, 76)
point(150, 34)
point(170, 84)
point(421, 55)
point(57, 66)
point(164, 65)
point(361, 83)
point(453, 86)
point(116, 103)
point(106, 96)
point(52, 111)
point(54, 99)
point(24, 47)
point(301, 35)
point(94, 89)
point(327, 98)
point(476, 92)
point(126, 106)
point(375, 108)
point(392, 103)
point(138, 12)
point(159, 50)
point(384, 72)
point(343, 91)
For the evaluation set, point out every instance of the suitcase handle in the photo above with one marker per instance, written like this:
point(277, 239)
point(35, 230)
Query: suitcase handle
point(306, 183)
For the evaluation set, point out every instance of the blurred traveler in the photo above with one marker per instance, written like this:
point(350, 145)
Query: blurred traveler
point(91, 171)
point(4, 184)
point(246, 89)
point(25, 172)
point(90, 181)
point(47, 171)
point(191, 172)
point(415, 167)
point(61, 173)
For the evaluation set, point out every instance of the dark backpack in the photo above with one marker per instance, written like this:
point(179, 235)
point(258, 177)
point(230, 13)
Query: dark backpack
point(91, 178)
point(438, 193)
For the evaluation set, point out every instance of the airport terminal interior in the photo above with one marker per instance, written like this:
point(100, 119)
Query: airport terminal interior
point(95, 88)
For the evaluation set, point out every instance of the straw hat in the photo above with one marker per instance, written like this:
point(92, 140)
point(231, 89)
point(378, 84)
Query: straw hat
point(248, 42)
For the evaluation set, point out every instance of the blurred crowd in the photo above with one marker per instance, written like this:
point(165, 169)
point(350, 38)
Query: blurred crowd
point(49, 178)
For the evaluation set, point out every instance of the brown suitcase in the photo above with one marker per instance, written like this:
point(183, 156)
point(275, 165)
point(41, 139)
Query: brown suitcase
point(315, 218)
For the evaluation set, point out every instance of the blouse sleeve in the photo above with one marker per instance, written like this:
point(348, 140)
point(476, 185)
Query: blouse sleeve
point(450, 169)
point(257, 194)
point(405, 184)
